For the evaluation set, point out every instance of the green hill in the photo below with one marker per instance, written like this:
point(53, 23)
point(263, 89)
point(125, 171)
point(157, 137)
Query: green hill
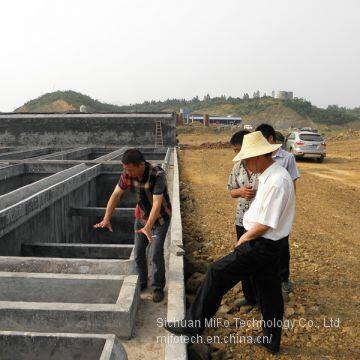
point(65, 101)
point(280, 113)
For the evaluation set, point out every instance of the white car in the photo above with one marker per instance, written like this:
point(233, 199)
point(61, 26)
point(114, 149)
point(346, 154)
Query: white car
point(306, 144)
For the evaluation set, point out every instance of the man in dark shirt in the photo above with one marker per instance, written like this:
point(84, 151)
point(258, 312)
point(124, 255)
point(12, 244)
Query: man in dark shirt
point(152, 215)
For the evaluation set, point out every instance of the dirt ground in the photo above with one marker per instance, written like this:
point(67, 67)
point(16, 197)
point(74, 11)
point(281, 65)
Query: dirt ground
point(324, 241)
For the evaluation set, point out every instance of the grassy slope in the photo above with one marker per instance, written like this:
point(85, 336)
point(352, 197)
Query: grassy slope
point(60, 101)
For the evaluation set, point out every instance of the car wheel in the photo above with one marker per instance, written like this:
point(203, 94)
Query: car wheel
point(320, 159)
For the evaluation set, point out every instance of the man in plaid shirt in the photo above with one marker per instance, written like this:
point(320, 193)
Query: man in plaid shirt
point(152, 215)
point(242, 185)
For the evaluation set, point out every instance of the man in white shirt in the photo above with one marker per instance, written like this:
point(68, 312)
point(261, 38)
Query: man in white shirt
point(287, 161)
point(267, 222)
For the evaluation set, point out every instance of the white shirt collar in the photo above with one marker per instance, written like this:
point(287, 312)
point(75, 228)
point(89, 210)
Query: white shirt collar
point(279, 153)
point(271, 169)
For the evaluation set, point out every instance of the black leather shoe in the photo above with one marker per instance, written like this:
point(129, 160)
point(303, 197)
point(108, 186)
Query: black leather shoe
point(177, 328)
point(243, 302)
point(263, 341)
point(158, 295)
point(287, 286)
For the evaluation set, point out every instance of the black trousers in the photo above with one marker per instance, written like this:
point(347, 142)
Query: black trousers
point(247, 282)
point(258, 258)
point(285, 259)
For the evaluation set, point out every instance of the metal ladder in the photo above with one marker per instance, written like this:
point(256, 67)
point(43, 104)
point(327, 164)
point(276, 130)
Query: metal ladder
point(159, 142)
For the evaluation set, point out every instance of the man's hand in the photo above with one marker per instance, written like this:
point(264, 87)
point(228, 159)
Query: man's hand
point(105, 224)
point(247, 192)
point(243, 239)
point(253, 233)
point(146, 231)
point(110, 207)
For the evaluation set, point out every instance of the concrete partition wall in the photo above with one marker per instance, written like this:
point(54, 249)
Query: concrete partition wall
point(84, 129)
point(25, 153)
point(18, 176)
point(68, 266)
point(59, 346)
point(15, 196)
point(176, 350)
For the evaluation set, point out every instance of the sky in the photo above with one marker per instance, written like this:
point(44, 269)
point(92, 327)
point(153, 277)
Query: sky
point(129, 51)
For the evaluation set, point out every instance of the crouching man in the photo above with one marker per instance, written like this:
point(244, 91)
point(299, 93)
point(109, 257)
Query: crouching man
point(257, 253)
point(152, 215)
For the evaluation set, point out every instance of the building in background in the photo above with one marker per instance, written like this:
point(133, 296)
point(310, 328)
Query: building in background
point(185, 114)
point(213, 119)
point(284, 95)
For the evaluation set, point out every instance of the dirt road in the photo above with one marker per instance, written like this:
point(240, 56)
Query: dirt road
point(325, 251)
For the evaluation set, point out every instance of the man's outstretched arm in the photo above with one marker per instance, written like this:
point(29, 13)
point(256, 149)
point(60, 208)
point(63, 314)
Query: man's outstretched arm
point(110, 207)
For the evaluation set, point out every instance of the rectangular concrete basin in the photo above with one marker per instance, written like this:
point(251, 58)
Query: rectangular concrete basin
point(67, 265)
point(68, 303)
point(60, 346)
point(76, 250)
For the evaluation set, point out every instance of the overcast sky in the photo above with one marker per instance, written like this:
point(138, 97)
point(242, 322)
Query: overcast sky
point(128, 51)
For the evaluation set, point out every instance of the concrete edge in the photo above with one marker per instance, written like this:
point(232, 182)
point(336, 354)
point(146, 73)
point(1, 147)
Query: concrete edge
point(85, 149)
point(129, 300)
point(62, 276)
point(176, 224)
point(112, 350)
point(84, 266)
point(113, 154)
point(7, 172)
point(175, 350)
point(176, 283)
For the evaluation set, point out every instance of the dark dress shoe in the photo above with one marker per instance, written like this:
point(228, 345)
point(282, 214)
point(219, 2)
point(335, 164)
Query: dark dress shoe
point(177, 328)
point(158, 295)
point(287, 287)
point(263, 341)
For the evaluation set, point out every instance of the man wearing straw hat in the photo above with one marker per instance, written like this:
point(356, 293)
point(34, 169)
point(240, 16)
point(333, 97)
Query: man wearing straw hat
point(268, 220)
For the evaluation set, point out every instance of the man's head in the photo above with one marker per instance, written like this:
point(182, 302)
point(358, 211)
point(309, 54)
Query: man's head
point(133, 163)
point(268, 132)
point(237, 139)
point(257, 164)
point(256, 152)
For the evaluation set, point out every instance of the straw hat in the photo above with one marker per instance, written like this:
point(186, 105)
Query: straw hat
point(254, 144)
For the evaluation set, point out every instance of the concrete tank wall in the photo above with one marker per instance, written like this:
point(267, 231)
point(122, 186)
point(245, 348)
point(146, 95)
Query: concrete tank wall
point(81, 129)
point(53, 224)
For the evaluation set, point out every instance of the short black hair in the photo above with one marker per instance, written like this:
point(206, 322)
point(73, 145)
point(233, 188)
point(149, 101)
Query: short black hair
point(238, 137)
point(267, 131)
point(268, 154)
point(132, 156)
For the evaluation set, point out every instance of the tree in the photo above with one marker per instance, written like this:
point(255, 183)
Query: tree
point(256, 94)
